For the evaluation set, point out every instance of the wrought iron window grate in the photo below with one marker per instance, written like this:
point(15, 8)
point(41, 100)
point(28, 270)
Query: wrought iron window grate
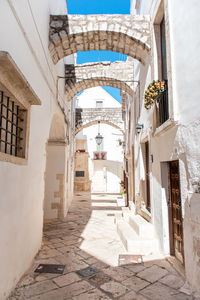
point(162, 107)
point(12, 126)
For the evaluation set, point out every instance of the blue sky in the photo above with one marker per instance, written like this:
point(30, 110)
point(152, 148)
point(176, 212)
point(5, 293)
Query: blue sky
point(85, 7)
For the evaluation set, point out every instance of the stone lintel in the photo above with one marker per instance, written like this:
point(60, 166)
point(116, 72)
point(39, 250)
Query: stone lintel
point(13, 79)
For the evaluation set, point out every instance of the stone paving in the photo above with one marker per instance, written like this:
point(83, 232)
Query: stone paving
point(87, 243)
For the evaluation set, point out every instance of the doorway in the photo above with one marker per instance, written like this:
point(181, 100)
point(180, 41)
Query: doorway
point(175, 213)
point(133, 172)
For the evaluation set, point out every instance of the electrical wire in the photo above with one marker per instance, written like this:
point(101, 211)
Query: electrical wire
point(109, 80)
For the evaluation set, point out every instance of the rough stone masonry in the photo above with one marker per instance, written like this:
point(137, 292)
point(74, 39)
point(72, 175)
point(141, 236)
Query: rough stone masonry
point(125, 34)
point(84, 76)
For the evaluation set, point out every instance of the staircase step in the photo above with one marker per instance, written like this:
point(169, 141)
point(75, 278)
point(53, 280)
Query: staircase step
point(143, 228)
point(133, 242)
point(118, 216)
point(126, 213)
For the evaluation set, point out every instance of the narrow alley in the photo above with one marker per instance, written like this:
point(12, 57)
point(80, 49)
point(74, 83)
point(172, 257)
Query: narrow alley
point(87, 244)
point(99, 150)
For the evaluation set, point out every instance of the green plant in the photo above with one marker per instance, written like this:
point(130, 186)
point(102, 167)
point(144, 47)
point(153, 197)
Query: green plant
point(122, 183)
point(155, 88)
point(123, 192)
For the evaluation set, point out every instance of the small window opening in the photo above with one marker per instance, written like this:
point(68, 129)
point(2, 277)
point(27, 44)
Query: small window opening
point(12, 126)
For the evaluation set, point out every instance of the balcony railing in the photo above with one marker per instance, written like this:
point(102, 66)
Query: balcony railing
point(100, 155)
point(162, 107)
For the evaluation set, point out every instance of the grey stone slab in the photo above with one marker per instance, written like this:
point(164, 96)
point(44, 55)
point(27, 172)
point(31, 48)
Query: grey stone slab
point(118, 273)
point(172, 281)
point(36, 289)
point(92, 295)
point(115, 289)
point(87, 272)
point(132, 296)
point(158, 291)
point(135, 283)
point(153, 273)
point(66, 279)
point(43, 277)
point(26, 280)
point(67, 292)
point(135, 268)
point(99, 279)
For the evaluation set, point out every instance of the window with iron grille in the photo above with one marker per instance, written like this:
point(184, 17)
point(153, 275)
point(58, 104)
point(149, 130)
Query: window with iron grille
point(13, 119)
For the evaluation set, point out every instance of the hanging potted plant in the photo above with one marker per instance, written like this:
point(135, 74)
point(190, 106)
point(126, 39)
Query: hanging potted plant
point(154, 89)
point(103, 155)
point(96, 155)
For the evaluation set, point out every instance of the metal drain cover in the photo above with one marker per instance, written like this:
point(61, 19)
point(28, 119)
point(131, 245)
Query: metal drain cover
point(87, 272)
point(47, 268)
point(127, 259)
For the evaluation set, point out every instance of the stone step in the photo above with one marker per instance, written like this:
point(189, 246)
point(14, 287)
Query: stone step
point(143, 228)
point(118, 216)
point(126, 213)
point(133, 242)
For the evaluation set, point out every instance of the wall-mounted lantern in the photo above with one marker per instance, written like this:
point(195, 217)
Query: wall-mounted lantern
point(139, 127)
point(99, 137)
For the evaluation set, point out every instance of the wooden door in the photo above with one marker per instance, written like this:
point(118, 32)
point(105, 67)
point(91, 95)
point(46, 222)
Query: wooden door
point(176, 212)
point(133, 172)
point(126, 189)
point(147, 180)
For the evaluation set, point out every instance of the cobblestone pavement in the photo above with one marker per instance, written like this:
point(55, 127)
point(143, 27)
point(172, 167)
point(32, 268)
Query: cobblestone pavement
point(87, 243)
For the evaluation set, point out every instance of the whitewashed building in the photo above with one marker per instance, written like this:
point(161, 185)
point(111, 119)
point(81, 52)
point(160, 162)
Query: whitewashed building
point(106, 160)
point(37, 124)
point(35, 133)
point(163, 145)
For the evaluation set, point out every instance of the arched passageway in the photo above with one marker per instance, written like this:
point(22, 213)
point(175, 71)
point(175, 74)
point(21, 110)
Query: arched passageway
point(86, 125)
point(80, 77)
point(101, 81)
point(55, 174)
point(106, 160)
point(125, 34)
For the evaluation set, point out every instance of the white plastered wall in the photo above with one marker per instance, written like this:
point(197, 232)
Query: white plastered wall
point(22, 187)
point(105, 174)
point(181, 141)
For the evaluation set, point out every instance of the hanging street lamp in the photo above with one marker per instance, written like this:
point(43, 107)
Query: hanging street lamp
point(99, 137)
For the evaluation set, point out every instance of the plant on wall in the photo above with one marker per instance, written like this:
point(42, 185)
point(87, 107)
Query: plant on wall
point(96, 155)
point(154, 89)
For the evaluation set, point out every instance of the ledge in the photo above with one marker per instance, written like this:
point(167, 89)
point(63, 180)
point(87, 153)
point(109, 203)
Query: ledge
point(56, 143)
point(143, 212)
point(12, 78)
point(13, 159)
point(165, 126)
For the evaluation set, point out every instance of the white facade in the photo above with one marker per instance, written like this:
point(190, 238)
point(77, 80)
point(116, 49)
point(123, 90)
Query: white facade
point(104, 174)
point(24, 36)
point(177, 139)
point(91, 97)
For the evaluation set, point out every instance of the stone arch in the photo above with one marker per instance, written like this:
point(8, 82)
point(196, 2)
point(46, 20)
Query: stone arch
point(118, 74)
point(96, 122)
point(55, 173)
point(57, 129)
point(126, 34)
point(74, 88)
